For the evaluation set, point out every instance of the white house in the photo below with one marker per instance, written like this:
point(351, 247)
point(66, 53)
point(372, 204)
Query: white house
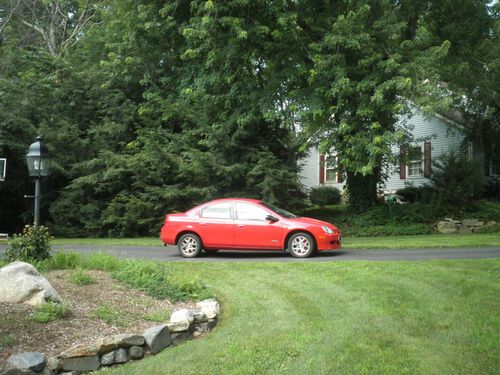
point(441, 134)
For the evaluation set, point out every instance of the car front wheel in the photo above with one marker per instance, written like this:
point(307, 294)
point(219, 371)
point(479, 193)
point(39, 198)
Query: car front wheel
point(301, 245)
point(189, 245)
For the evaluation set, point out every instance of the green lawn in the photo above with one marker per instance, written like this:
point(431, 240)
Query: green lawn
point(429, 317)
point(421, 241)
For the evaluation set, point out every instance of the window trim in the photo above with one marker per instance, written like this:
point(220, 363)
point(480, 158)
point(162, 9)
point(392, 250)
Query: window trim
point(420, 161)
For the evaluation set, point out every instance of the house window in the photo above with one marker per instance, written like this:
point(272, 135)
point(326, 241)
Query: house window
point(415, 166)
point(332, 173)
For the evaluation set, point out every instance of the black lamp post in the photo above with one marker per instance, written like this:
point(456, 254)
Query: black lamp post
point(38, 166)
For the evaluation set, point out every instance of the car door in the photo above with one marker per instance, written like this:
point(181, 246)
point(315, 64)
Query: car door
point(253, 230)
point(216, 226)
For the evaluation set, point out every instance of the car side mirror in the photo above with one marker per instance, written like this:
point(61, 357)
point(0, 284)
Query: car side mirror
point(272, 218)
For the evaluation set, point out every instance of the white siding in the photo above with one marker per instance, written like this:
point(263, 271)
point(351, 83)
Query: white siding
point(444, 136)
point(309, 169)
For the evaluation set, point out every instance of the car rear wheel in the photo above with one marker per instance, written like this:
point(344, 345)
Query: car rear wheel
point(301, 245)
point(189, 245)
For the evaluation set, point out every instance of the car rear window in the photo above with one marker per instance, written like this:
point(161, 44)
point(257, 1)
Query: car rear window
point(217, 211)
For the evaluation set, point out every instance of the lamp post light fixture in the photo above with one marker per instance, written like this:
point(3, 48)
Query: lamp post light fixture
point(38, 161)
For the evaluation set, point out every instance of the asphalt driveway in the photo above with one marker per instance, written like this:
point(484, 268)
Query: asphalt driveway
point(169, 253)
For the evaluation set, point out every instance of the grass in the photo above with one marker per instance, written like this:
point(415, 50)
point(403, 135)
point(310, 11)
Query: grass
point(429, 317)
point(158, 316)
point(7, 341)
point(424, 241)
point(50, 311)
point(110, 315)
point(79, 277)
point(392, 242)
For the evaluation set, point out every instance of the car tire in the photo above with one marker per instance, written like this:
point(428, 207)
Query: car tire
point(301, 245)
point(189, 245)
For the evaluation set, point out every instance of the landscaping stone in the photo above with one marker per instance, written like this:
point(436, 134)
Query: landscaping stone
point(108, 359)
point(20, 282)
point(205, 327)
point(80, 350)
point(126, 340)
point(179, 337)
point(199, 315)
point(447, 227)
point(54, 363)
point(210, 307)
point(178, 327)
point(116, 356)
point(33, 361)
point(470, 222)
point(90, 363)
point(464, 229)
point(136, 352)
point(16, 371)
point(121, 356)
point(181, 320)
point(157, 338)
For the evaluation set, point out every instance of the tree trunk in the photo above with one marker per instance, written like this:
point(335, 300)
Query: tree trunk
point(362, 191)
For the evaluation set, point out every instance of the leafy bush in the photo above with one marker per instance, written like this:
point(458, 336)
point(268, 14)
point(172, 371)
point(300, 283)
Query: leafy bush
point(79, 277)
point(33, 244)
point(493, 228)
point(51, 311)
point(457, 179)
point(417, 194)
point(324, 195)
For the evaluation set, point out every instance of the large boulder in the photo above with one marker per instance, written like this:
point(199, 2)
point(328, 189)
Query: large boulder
point(157, 338)
point(33, 361)
point(447, 227)
point(21, 283)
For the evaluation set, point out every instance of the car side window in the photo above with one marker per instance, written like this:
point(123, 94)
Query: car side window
point(217, 211)
point(245, 211)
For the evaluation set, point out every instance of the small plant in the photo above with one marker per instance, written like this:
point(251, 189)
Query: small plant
point(111, 315)
point(324, 195)
point(7, 341)
point(158, 316)
point(79, 277)
point(51, 311)
point(417, 194)
point(32, 245)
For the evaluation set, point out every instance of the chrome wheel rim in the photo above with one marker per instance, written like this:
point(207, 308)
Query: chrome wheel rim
point(300, 245)
point(189, 245)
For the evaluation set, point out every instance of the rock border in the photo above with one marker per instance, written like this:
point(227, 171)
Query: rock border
point(449, 225)
point(184, 324)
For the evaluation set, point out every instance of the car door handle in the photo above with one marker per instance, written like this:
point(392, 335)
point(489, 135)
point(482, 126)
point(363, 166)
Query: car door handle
point(203, 224)
point(241, 225)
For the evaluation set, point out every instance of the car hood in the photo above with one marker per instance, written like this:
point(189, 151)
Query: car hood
point(308, 220)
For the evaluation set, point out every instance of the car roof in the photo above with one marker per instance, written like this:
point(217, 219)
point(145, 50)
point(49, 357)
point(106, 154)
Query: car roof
point(249, 200)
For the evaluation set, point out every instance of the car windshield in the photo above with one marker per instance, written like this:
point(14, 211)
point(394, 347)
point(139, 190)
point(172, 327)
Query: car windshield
point(278, 210)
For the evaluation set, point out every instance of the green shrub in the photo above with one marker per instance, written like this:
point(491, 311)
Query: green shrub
point(386, 230)
point(51, 311)
point(457, 179)
point(79, 277)
point(33, 244)
point(324, 195)
point(492, 228)
point(417, 194)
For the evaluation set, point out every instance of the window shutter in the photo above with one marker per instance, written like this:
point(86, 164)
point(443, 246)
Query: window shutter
point(402, 166)
point(427, 159)
point(321, 168)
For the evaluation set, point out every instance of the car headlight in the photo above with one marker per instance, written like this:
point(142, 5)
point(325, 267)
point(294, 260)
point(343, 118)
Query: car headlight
point(327, 230)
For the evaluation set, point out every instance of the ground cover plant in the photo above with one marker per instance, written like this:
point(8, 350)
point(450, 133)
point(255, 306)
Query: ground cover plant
point(429, 317)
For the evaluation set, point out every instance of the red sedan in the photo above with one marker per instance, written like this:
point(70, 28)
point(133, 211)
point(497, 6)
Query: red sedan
point(247, 224)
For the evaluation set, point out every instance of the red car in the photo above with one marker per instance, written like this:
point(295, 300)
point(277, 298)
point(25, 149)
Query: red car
point(249, 224)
